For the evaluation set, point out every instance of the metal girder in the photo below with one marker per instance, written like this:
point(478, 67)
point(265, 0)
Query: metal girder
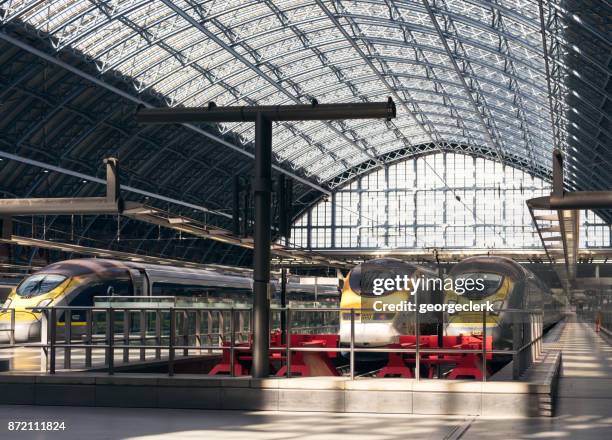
point(87, 177)
point(559, 212)
point(131, 98)
point(111, 204)
point(184, 224)
point(557, 136)
point(275, 83)
point(455, 255)
point(403, 153)
point(304, 112)
point(479, 103)
point(509, 60)
point(102, 253)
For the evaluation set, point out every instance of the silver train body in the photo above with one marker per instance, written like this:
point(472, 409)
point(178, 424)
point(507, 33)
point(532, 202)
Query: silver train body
point(78, 282)
point(378, 329)
point(515, 293)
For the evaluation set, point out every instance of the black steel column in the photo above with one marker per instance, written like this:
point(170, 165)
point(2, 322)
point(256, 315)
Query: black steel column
point(262, 189)
point(283, 303)
point(282, 206)
point(236, 206)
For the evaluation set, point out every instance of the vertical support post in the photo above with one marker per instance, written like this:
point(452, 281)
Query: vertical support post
point(143, 334)
point(484, 345)
point(540, 333)
point(524, 352)
point(262, 189)
point(516, 344)
point(440, 315)
point(240, 324)
point(12, 329)
point(110, 340)
point(221, 326)
point(245, 212)
point(289, 210)
point(88, 336)
point(352, 353)
point(198, 333)
point(209, 322)
point(112, 180)
point(158, 331)
point(288, 342)
point(236, 206)
point(185, 331)
point(417, 333)
point(557, 189)
point(171, 342)
point(52, 335)
point(417, 354)
point(282, 206)
point(232, 339)
point(283, 304)
point(44, 340)
point(7, 229)
point(68, 338)
point(127, 318)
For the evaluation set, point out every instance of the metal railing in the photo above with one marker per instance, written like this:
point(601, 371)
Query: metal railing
point(527, 342)
point(11, 328)
point(170, 337)
point(166, 334)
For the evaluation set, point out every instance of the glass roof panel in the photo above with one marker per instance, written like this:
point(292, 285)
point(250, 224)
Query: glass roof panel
point(481, 81)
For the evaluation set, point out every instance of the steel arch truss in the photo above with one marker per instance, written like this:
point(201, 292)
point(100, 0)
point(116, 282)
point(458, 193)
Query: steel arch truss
point(475, 74)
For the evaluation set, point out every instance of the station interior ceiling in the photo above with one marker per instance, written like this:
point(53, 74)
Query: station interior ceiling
point(507, 82)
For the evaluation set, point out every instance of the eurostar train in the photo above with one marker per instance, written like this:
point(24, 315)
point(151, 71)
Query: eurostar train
point(374, 328)
point(507, 286)
point(77, 282)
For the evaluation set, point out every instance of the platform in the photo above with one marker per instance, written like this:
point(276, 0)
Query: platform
point(331, 394)
point(27, 359)
point(576, 369)
point(583, 410)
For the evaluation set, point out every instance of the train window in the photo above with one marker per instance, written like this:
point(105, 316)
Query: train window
point(85, 297)
point(206, 294)
point(39, 284)
point(361, 279)
point(119, 288)
point(171, 289)
point(490, 281)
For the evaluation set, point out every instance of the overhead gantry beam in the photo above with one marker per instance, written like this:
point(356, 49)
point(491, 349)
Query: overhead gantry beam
point(111, 204)
point(557, 217)
point(283, 255)
point(263, 117)
point(114, 204)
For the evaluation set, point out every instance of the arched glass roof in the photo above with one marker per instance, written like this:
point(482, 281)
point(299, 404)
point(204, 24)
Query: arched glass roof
point(471, 73)
point(410, 205)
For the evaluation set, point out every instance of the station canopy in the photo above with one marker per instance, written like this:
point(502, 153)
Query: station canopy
point(466, 74)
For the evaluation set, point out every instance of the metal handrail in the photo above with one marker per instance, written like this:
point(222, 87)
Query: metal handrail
point(110, 336)
point(11, 329)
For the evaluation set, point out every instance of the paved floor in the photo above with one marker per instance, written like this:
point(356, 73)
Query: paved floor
point(584, 412)
point(584, 407)
point(158, 424)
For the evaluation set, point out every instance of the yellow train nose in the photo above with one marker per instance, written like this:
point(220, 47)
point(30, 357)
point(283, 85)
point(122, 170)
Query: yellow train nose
point(27, 327)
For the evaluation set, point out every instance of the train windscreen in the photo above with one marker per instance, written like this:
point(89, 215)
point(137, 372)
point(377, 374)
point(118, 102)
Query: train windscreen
point(39, 284)
point(490, 283)
point(362, 278)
